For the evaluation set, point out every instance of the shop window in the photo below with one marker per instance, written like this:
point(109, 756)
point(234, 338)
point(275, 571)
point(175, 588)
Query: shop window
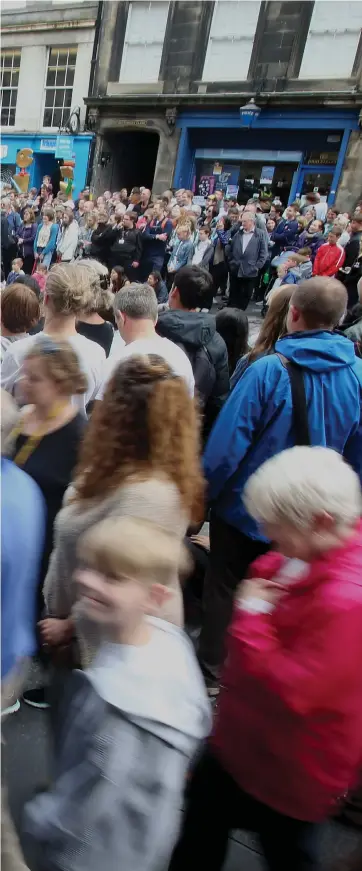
point(231, 41)
point(10, 67)
point(143, 45)
point(59, 86)
point(332, 40)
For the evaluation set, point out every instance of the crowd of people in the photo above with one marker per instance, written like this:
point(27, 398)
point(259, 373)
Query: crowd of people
point(225, 658)
point(248, 249)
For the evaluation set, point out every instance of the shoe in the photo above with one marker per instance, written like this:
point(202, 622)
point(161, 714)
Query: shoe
point(36, 698)
point(12, 709)
point(261, 303)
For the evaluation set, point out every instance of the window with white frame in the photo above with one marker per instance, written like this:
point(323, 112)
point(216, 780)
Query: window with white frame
point(231, 41)
point(10, 66)
point(143, 44)
point(59, 85)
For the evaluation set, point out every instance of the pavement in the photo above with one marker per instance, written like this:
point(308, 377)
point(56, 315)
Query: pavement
point(26, 755)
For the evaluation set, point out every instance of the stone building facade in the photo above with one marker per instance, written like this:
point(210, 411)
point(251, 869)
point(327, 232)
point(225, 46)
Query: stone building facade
point(170, 79)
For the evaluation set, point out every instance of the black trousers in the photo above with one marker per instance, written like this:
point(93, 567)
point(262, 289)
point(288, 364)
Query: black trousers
point(231, 553)
point(241, 291)
point(216, 805)
point(28, 263)
point(219, 274)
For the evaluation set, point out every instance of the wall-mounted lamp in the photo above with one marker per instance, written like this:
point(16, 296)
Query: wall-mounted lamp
point(249, 113)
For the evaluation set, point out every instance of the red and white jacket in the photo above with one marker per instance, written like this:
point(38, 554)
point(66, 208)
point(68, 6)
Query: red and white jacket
point(289, 723)
point(328, 260)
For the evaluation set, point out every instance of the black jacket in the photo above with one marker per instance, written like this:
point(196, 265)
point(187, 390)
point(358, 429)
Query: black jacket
point(195, 333)
point(127, 245)
point(101, 241)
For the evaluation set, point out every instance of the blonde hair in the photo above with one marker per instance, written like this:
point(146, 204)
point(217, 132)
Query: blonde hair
point(300, 483)
point(61, 365)
point(69, 289)
point(133, 548)
point(102, 296)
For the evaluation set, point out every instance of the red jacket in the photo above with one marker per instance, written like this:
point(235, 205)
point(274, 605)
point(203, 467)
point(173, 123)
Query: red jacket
point(289, 722)
point(328, 259)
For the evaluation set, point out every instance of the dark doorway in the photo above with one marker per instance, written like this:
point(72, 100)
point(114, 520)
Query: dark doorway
point(134, 155)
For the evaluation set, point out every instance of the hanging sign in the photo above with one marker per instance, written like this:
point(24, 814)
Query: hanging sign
point(64, 147)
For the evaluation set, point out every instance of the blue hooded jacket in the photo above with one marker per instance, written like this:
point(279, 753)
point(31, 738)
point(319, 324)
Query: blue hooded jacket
point(256, 421)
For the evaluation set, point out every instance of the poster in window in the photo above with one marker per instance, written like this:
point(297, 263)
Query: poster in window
point(206, 185)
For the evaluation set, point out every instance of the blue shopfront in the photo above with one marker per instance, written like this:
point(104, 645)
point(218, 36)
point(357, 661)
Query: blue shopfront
point(49, 153)
point(284, 153)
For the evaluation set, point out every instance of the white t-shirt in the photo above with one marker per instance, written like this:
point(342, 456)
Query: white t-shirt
point(91, 357)
point(174, 356)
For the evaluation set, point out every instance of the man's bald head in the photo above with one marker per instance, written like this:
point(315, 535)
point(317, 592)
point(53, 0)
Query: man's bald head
point(317, 304)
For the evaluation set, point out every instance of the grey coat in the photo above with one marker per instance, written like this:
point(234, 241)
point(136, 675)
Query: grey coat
point(247, 264)
point(133, 726)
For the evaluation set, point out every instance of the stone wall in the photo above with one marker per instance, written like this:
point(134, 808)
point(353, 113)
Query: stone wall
point(350, 187)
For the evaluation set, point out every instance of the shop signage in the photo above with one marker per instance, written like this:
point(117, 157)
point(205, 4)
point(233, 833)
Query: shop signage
point(64, 147)
point(322, 158)
point(267, 173)
point(48, 144)
point(4, 151)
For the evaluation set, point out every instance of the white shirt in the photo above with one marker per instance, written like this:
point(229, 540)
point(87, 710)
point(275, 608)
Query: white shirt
point(246, 238)
point(91, 358)
point(174, 356)
point(200, 251)
point(68, 241)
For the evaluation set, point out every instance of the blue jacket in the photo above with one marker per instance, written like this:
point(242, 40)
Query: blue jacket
point(15, 222)
point(284, 234)
point(22, 536)
point(256, 421)
point(153, 247)
point(52, 239)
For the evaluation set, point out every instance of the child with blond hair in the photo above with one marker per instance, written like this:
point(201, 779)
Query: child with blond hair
point(137, 716)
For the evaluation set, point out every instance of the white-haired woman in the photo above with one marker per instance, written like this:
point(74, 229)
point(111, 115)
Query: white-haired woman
point(91, 324)
point(287, 739)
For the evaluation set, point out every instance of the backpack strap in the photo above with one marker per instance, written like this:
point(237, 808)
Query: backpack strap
point(299, 401)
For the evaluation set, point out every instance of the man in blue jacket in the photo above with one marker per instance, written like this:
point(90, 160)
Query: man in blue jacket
point(286, 231)
point(256, 423)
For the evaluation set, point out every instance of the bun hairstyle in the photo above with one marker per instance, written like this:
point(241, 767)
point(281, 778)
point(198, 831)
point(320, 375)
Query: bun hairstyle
point(61, 365)
point(102, 296)
point(68, 288)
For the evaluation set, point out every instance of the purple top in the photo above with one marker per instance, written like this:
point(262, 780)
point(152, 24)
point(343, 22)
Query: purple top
point(27, 233)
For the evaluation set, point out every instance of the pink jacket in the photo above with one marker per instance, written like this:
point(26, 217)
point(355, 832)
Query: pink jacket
point(289, 724)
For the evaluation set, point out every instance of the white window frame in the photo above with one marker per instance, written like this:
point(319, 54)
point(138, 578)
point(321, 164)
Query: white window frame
point(134, 42)
point(15, 52)
point(65, 110)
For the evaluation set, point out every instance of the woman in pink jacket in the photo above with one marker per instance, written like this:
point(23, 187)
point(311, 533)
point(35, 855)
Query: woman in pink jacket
point(287, 740)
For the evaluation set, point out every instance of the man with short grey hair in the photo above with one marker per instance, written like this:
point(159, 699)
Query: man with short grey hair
point(136, 312)
point(246, 253)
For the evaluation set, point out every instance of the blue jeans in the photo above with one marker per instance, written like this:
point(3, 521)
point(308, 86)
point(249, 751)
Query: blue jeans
point(47, 258)
point(216, 805)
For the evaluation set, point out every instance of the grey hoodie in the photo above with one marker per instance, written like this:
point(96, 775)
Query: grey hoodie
point(132, 729)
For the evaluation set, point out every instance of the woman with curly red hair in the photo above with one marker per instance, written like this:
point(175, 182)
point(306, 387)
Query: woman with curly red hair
point(140, 458)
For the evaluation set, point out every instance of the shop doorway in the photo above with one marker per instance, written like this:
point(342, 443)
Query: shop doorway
point(316, 180)
point(134, 155)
